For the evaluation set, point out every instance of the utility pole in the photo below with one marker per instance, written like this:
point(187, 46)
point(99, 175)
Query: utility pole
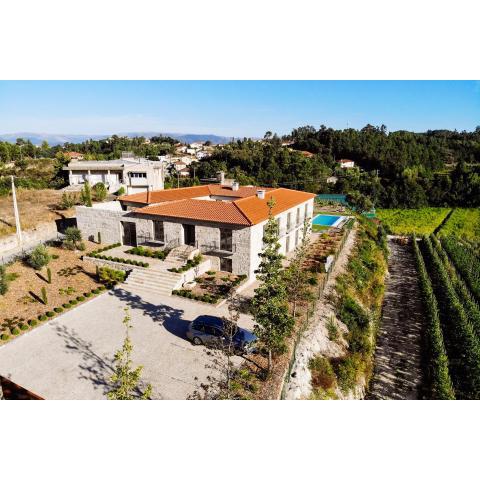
point(17, 216)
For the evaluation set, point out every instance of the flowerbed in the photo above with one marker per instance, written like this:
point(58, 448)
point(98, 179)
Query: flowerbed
point(12, 327)
point(212, 286)
point(126, 261)
point(195, 261)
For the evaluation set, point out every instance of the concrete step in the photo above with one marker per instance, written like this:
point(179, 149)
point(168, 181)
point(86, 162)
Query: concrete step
point(146, 289)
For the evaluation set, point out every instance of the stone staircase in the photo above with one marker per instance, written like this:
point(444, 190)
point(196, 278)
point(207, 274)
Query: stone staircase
point(178, 256)
point(160, 282)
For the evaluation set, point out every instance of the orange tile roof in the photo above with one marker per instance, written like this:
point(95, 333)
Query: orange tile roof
point(206, 210)
point(248, 210)
point(256, 209)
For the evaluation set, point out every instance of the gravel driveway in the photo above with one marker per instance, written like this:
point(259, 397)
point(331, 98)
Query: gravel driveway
point(71, 357)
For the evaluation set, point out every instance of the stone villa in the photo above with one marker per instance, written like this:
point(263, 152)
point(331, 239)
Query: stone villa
point(134, 174)
point(225, 222)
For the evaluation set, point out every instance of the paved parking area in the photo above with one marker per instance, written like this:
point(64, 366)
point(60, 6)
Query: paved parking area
point(71, 357)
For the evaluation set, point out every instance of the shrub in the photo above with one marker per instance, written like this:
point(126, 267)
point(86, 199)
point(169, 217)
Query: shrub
point(111, 277)
point(81, 298)
point(100, 191)
point(50, 314)
point(121, 191)
point(15, 331)
point(4, 337)
point(87, 294)
point(332, 329)
point(348, 370)
point(86, 195)
point(73, 302)
point(313, 281)
point(39, 258)
point(323, 374)
point(23, 326)
point(66, 305)
point(81, 246)
point(55, 256)
point(58, 309)
point(95, 291)
point(101, 287)
point(68, 200)
point(33, 322)
point(49, 275)
point(42, 318)
point(212, 272)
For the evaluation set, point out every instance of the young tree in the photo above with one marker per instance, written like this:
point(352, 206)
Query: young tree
point(86, 195)
point(227, 382)
point(270, 302)
point(73, 238)
point(296, 276)
point(3, 280)
point(126, 379)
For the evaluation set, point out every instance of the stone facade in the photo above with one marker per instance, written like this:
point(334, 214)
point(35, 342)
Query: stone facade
point(246, 241)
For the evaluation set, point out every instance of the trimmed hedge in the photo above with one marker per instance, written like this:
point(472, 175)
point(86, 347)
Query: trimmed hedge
point(207, 298)
point(104, 249)
point(42, 318)
point(50, 314)
point(23, 326)
point(148, 252)
point(125, 261)
point(58, 309)
point(4, 337)
point(33, 322)
point(15, 331)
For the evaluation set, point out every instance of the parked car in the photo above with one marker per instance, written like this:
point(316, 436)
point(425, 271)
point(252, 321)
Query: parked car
point(215, 332)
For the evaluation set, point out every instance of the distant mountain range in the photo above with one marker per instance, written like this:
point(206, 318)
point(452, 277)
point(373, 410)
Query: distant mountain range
point(59, 139)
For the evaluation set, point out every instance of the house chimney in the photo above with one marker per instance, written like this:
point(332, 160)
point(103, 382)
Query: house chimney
point(261, 194)
point(235, 186)
point(221, 177)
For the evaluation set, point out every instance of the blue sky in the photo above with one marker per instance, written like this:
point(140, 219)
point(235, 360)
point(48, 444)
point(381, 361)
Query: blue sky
point(234, 108)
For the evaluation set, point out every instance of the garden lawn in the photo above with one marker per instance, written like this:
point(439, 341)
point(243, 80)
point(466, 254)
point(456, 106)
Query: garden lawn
point(422, 221)
point(71, 277)
point(464, 223)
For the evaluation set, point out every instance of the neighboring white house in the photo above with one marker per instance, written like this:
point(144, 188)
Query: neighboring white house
point(224, 222)
point(345, 163)
point(134, 174)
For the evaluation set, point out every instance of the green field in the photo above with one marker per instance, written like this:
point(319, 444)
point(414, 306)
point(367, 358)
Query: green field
point(464, 223)
point(422, 221)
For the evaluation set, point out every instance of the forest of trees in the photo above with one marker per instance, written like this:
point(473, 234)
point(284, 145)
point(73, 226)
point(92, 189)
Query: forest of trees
point(397, 169)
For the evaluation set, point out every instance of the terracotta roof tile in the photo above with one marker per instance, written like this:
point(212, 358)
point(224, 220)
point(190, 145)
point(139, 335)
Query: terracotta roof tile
point(247, 209)
point(256, 209)
point(206, 210)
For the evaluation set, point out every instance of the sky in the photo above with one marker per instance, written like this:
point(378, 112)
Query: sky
point(234, 108)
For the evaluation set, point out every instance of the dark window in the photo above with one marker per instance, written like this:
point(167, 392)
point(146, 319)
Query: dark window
point(289, 220)
point(198, 326)
point(158, 231)
point(226, 264)
point(226, 239)
point(287, 244)
point(298, 216)
point(306, 211)
point(209, 330)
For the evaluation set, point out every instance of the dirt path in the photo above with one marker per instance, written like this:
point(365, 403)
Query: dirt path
point(398, 373)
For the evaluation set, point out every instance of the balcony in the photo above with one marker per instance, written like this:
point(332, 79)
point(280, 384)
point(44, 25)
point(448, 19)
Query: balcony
point(218, 249)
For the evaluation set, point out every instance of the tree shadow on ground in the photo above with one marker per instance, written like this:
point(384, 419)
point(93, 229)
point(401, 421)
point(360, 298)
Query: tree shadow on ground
point(93, 367)
point(169, 317)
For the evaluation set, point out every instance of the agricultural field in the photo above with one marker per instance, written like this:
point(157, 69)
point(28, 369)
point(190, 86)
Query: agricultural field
point(422, 221)
point(463, 223)
point(449, 279)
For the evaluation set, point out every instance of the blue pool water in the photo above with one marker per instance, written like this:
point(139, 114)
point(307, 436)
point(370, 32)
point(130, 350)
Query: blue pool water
point(326, 220)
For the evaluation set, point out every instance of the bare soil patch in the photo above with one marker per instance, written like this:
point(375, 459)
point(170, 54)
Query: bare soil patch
point(71, 277)
point(35, 207)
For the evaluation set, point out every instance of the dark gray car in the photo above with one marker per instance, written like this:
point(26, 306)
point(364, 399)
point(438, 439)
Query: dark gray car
point(215, 332)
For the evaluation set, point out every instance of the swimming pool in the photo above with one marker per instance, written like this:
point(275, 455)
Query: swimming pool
point(327, 220)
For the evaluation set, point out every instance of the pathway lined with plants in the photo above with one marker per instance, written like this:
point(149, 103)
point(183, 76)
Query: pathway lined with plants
point(398, 369)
